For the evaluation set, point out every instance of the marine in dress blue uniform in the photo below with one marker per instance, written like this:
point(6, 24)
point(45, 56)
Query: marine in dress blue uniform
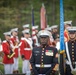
point(71, 52)
point(44, 60)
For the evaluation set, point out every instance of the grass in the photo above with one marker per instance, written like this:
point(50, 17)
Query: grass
point(1, 67)
point(20, 66)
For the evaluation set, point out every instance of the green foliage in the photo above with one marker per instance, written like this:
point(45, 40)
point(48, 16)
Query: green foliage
point(15, 13)
point(1, 66)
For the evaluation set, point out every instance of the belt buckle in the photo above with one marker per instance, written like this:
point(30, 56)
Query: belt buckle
point(41, 65)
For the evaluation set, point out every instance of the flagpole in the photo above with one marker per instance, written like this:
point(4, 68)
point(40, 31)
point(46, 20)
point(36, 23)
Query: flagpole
point(43, 17)
point(32, 16)
point(62, 49)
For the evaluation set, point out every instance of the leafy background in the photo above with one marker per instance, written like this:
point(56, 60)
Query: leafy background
point(15, 13)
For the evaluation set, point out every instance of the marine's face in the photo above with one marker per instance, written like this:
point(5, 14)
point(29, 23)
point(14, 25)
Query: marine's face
point(44, 40)
point(8, 37)
point(72, 35)
point(55, 30)
point(15, 33)
point(26, 35)
point(66, 26)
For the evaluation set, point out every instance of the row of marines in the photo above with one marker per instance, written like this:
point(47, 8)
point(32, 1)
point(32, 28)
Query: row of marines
point(40, 53)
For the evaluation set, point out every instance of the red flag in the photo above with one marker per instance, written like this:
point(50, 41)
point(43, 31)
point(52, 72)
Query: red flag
point(43, 17)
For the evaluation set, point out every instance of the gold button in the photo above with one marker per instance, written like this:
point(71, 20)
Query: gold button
point(42, 48)
point(72, 49)
point(72, 55)
point(42, 51)
point(72, 52)
point(72, 58)
point(42, 60)
point(72, 46)
point(41, 63)
point(41, 56)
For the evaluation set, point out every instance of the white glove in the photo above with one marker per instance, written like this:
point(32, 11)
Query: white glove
point(73, 71)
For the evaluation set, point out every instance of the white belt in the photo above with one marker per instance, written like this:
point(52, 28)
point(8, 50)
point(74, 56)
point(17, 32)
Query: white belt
point(27, 48)
point(45, 65)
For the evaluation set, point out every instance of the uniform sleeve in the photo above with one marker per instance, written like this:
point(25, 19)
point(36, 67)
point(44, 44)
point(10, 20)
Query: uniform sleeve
point(5, 49)
point(32, 62)
point(54, 66)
